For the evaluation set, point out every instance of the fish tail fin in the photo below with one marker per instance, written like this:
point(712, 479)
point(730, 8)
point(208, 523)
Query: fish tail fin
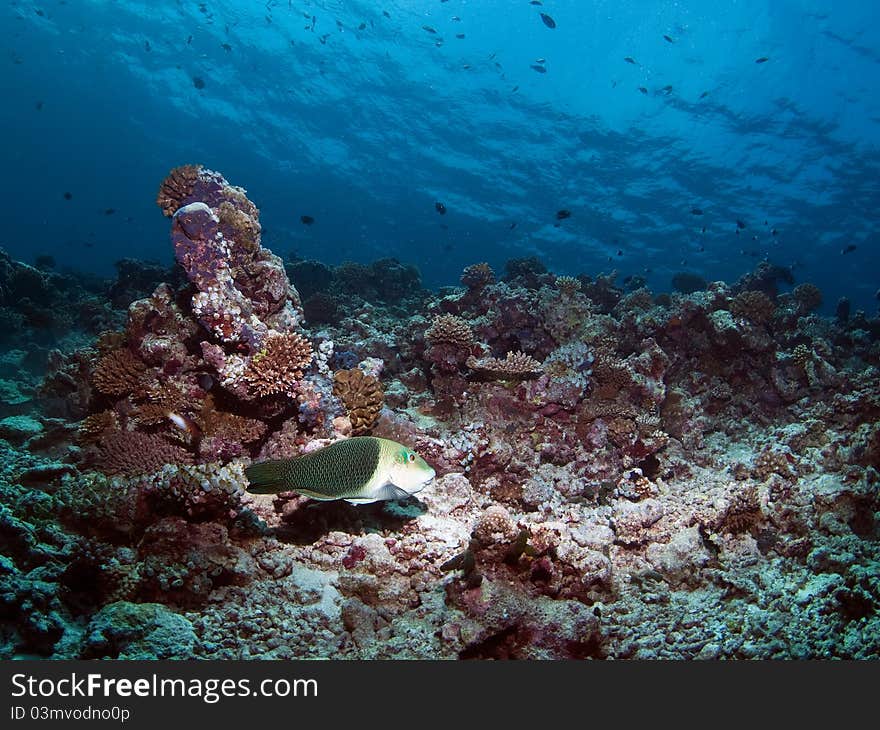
point(266, 477)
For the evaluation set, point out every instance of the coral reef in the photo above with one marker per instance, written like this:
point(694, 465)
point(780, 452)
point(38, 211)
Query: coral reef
point(620, 474)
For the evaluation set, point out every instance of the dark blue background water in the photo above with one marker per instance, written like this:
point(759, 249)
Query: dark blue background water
point(365, 128)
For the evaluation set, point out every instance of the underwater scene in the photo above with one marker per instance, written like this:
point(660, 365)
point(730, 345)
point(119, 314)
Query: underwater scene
point(439, 329)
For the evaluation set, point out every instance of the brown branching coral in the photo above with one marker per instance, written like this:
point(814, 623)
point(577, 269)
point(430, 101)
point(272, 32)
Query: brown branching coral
point(279, 365)
point(808, 296)
point(120, 373)
point(568, 285)
point(447, 328)
point(770, 462)
point(753, 305)
point(176, 187)
point(133, 452)
point(611, 374)
point(362, 397)
point(221, 424)
point(477, 276)
point(743, 513)
point(516, 366)
point(95, 427)
point(246, 228)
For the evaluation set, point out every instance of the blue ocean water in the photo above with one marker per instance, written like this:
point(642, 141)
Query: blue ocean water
point(657, 124)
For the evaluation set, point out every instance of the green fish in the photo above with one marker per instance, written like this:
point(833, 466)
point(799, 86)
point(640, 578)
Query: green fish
point(360, 470)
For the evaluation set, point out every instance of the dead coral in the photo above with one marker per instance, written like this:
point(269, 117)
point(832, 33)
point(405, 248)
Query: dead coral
point(176, 187)
point(279, 366)
point(120, 373)
point(516, 366)
point(447, 328)
point(362, 397)
point(753, 305)
point(132, 452)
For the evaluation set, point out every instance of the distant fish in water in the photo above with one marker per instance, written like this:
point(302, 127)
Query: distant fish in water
point(539, 69)
point(109, 211)
point(307, 220)
point(668, 39)
point(39, 106)
point(762, 59)
point(563, 214)
point(147, 46)
point(198, 82)
point(512, 226)
point(619, 252)
point(629, 59)
point(772, 231)
point(428, 29)
point(68, 196)
point(667, 89)
point(548, 21)
point(189, 40)
point(696, 211)
point(386, 13)
point(226, 47)
point(459, 35)
point(540, 60)
point(848, 249)
point(360, 470)
point(440, 208)
point(643, 90)
point(704, 94)
point(536, 2)
point(740, 224)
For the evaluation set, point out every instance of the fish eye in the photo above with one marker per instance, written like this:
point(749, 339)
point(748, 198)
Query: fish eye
point(412, 457)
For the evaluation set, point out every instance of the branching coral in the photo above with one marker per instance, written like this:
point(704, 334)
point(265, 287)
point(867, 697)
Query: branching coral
point(362, 397)
point(279, 365)
point(515, 366)
point(568, 285)
point(120, 373)
point(95, 427)
point(808, 296)
point(133, 452)
point(753, 305)
point(477, 276)
point(447, 328)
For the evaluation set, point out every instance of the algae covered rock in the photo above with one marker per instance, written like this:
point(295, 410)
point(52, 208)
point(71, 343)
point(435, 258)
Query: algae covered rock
point(126, 630)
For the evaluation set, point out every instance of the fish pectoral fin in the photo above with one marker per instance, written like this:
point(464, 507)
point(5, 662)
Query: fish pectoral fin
point(362, 500)
point(391, 491)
